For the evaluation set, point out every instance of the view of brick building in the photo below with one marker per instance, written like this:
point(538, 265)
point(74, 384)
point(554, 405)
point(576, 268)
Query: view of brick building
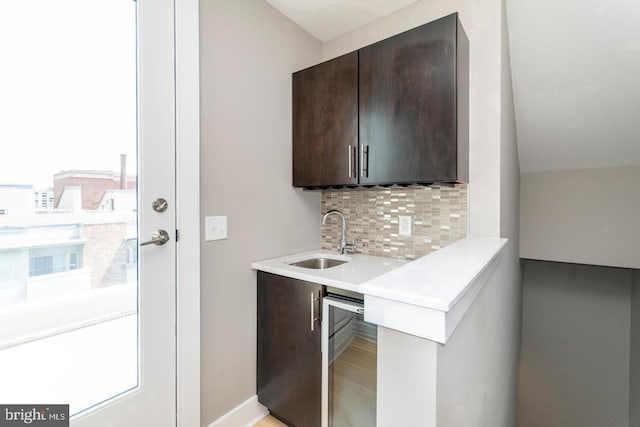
point(94, 183)
point(87, 241)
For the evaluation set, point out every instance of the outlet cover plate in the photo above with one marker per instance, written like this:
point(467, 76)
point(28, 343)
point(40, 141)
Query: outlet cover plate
point(215, 228)
point(404, 225)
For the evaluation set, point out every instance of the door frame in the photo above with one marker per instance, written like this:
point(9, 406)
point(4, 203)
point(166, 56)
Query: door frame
point(187, 52)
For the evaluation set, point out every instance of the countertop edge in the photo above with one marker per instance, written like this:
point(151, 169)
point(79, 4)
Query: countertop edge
point(435, 265)
point(430, 322)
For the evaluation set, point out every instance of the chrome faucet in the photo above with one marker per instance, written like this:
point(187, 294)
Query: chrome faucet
point(344, 246)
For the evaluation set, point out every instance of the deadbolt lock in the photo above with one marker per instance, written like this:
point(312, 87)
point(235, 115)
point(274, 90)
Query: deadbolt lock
point(160, 205)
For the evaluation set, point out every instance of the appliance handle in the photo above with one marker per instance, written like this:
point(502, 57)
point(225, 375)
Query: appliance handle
point(352, 306)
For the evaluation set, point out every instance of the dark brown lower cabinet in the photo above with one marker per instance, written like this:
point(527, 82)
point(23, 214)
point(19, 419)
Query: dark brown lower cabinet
point(289, 353)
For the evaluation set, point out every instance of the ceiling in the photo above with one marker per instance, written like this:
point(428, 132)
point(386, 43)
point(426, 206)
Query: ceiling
point(326, 19)
point(576, 73)
point(576, 79)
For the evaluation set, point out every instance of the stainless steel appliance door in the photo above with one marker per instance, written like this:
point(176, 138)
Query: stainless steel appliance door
point(349, 353)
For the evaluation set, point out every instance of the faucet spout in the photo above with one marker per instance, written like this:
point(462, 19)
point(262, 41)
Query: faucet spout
point(344, 246)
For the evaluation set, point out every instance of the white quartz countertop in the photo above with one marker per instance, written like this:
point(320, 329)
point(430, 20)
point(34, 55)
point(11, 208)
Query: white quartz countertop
point(439, 279)
point(350, 275)
point(427, 297)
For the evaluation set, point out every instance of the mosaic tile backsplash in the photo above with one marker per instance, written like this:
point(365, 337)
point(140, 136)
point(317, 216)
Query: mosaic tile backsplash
point(439, 216)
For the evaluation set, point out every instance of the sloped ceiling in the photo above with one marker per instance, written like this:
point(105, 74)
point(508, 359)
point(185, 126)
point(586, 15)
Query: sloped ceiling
point(576, 73)
point(576, 79)
point(326, 19)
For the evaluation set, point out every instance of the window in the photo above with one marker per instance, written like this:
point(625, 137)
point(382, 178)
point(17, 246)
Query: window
point(57, 263)
point(73, 261)
point(132, 255)
point(40, 265)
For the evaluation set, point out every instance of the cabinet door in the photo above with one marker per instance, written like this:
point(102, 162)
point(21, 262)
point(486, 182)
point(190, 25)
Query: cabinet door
point(289, 358)
point(325, 123)
point(408, 106)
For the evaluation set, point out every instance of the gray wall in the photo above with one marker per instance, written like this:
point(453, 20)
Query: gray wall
point(587, 216)
point(407, 376)
point(477, 383)
point(574, 369)
point(477, 369)
point(634, 386)
point(580, 360)
point(248, 52)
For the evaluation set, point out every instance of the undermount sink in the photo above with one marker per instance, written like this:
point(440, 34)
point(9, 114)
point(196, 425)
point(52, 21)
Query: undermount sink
point(318, 263)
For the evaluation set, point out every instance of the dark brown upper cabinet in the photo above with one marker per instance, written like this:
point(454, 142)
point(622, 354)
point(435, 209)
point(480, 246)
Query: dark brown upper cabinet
point(325, 123)
point(412, 113)
point(412, 94)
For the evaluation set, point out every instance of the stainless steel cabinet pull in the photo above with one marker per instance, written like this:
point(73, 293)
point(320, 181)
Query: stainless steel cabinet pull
point(350, 161)
point(364, 160)
point(355, 161)
point(158, 238)
point(314, 319)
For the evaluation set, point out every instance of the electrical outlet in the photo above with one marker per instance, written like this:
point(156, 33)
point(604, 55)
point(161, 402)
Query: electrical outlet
point(215, 228)
point(404, 225)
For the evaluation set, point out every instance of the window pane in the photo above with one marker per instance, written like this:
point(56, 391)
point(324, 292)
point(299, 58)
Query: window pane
point(59, 263)
point(73, 261)
point(68, 123)
point(42, 265)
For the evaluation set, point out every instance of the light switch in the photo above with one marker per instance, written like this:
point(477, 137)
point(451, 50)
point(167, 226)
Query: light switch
point(215, 228)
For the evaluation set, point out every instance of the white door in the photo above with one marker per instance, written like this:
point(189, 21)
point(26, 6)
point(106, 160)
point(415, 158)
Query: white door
point(87, 314)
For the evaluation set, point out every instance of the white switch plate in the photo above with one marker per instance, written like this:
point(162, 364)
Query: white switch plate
point(404, 225)
point(215, 228)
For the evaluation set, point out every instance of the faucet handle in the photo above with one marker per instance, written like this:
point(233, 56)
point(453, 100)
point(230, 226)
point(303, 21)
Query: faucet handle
point(348, 246)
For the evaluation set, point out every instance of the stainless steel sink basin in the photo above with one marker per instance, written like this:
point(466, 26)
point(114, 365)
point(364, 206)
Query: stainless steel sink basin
point(318, 263)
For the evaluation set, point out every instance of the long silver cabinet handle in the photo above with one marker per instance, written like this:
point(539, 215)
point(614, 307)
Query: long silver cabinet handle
point(314, 319)
point(364, 160)
point(350, 161)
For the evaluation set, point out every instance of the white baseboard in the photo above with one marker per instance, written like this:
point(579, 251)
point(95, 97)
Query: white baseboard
point(246, 414)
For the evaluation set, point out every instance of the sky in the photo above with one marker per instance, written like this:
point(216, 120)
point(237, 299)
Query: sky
point(67, 88)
